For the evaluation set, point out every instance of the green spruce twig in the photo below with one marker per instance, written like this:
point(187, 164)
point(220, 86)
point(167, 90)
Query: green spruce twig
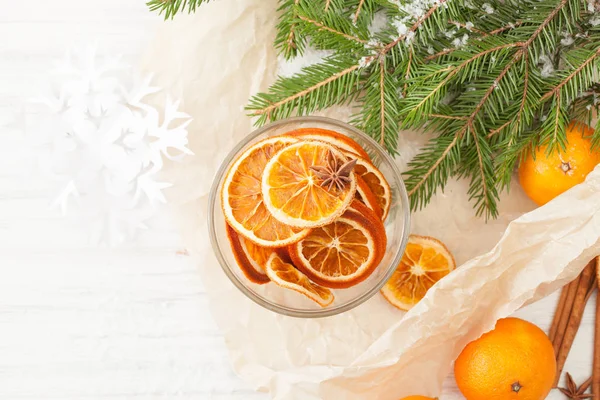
point(171, 7)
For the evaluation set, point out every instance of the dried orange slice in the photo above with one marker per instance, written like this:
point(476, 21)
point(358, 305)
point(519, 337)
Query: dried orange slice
point(377, 183)
point(366, 196)
point(295, 190)
point(286, 275)
point(425, 261)
point(340, 141)
point(251, 258)
point(344, 252)
point(242, 199)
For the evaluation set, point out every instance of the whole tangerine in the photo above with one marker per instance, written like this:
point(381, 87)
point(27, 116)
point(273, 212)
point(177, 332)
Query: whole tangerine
point(544, 175)
point(514, 361)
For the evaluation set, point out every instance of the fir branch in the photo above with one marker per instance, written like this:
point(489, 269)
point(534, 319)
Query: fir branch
point(334, 81)
point(323, 27)
point(420, 21)
point(505, 28)
point(407, 74)
point(382, 101)
point(495, 131)
point(424, 106)
point(380, 114)
point(483, 186)
point(171, 7)
point(553, 128)
point(438, 54)
point(472, 28)
point(358, 9)
point(572, 92)
point(525, 92)
point(287, 40)
point(479, 88)
point(452, 117)
point(424, 178)
point(332, 31)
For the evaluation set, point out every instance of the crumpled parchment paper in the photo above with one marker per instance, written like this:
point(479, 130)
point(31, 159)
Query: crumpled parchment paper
point(214, 61)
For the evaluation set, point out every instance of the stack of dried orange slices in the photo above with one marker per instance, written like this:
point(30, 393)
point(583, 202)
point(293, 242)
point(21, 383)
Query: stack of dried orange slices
point(305, 210)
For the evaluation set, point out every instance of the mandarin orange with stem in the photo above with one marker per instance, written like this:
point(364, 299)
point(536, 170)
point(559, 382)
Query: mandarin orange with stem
point(515, 361)
point(544, 175)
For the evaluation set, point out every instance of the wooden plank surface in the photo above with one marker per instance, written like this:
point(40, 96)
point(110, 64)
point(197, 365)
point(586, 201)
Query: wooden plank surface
point(78, 321)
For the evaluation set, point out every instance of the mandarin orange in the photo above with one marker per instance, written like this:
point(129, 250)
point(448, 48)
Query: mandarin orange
point(515, 361)
point(544, 176)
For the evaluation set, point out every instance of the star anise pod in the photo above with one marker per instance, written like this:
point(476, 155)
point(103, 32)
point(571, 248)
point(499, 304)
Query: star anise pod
point(572, 391)
point(334, 173)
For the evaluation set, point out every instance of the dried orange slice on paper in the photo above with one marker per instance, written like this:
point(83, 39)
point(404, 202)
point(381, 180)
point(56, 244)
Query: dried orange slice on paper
point(295, 187)
point(339, 140)
point(425, 261)
point(344, 252)
point(286, 275)
point(242, 200)
point(377, 183)
point(251, 258)
point(366, 196)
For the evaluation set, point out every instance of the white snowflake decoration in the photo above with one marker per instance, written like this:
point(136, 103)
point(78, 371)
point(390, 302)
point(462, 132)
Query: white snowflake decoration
point(105, 145)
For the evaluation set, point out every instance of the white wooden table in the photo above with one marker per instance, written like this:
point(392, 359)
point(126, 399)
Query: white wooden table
point(78, 321)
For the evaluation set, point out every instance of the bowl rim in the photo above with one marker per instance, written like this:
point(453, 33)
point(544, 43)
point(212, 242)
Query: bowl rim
point(289, 311)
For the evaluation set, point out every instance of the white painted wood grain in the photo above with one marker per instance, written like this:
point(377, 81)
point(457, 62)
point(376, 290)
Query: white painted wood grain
point(78, 321)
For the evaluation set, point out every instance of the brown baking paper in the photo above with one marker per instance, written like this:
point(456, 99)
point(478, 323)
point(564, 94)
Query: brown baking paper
point(214, 61)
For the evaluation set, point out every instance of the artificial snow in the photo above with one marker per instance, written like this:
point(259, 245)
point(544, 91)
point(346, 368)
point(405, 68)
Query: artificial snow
point(450, 34)
point(364, 62)
point(547, 66)
point(413, 11)
point(487, 7)
point(469, 25)
point(378, 23)
point(567, 39)
point(400, 27)
point(460, 42)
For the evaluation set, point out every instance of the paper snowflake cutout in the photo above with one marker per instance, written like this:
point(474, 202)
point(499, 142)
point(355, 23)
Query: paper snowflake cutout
point(106, 145)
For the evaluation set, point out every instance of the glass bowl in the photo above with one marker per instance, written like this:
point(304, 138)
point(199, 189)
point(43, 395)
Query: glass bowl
point(285, 301)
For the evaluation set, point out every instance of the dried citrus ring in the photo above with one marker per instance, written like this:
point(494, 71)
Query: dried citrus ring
point(297, 195)
point(286, 275)
point(340, 141)
point(242, 201)
point(425, 261)
point(251, 258)
point(344, 252)
point(366, 196)
point(377, 183)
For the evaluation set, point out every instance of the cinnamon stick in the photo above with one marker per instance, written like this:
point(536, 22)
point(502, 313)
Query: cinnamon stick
point(560, 309)
point(562, 318)
point(596, 367)
point(586, 280)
